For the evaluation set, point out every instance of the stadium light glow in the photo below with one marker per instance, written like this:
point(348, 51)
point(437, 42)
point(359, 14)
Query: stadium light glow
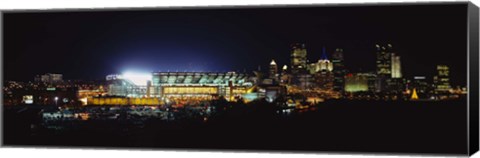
point(137, 78)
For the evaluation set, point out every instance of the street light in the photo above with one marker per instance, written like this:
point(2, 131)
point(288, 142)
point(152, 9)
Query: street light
point(56, 100)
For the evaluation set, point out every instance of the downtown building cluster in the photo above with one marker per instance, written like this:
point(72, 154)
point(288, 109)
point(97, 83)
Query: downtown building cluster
point(297, 82)
point(330, 78)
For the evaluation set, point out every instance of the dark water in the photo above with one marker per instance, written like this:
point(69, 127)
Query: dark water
point(401, 127)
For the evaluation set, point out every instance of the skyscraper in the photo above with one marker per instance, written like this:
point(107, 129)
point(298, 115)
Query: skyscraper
point(322, 72)
point(298, 58)
point(384, 60)
point(339, 70)
point(273, 70)
point(384, 67)
point(442, 80)
point(284, 69)
point(284, 77)
point(396, 66)
point(324, 63)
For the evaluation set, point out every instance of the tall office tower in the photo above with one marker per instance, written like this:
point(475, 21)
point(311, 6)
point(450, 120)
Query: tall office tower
point(284, 76)
point(339, 70)
point(442, 80)
point(273, 70)
point(324, 63)
point(298, 58)
point(384, 67)
point(284, 69)
point(322, 71)
point(396, 66)
point(384, 60)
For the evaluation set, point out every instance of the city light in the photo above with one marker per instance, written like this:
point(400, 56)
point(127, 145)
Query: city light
point(137, 78)
point(305, 79)
point(56, 100)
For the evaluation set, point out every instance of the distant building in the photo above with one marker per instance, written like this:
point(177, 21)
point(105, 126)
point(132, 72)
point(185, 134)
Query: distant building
point(323, 64)
point(200, 85)
point(125, 88)
point(49, 78)
point(273, 70)
point(181, 86)
point(298, 58)
point(442, 79)
point(339, 70)
point(321, 72)
point(420, 84)
point(389, 72)
point(285, 77)
point(356, 82)
point(396, 66)
point(395, 85)
point(284, 69)
point(305, 81)
point(371, 81)
point(384, 60)
point(324, 80)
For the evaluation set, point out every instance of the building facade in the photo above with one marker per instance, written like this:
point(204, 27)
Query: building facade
point(396, 66)
point(273, 71)
point(356, 82)
point(384, 60)
point(339, 70)
point(442, 79)
point(49, 78)
point(298, 58)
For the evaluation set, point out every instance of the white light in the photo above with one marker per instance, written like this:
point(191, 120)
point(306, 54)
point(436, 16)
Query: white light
point(273, 62)
point(28, 99)
point(56, 98)
point(83, 100)
point(419, 77)
point(139, 79)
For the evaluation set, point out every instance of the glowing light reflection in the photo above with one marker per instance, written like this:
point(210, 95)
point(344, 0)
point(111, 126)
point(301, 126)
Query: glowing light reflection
point(137, 78)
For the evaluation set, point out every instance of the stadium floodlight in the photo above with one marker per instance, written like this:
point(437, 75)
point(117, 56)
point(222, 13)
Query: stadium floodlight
point(137, 78)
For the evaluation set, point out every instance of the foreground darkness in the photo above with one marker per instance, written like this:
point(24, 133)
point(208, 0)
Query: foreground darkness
point(400, 127)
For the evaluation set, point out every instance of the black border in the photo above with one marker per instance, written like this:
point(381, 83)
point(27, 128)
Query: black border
point(473, 96)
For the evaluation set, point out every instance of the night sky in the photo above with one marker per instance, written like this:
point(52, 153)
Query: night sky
point(92, 44)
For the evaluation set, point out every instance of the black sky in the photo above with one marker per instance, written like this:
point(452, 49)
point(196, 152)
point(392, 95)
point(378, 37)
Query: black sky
point(92, 44)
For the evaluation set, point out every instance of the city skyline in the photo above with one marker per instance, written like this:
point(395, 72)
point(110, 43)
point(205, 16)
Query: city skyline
point(386, 78)
point(139, 43)
point(264, 68)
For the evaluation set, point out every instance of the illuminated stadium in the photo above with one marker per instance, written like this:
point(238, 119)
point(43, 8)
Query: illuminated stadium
point(199, 84)
point(165, 87)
